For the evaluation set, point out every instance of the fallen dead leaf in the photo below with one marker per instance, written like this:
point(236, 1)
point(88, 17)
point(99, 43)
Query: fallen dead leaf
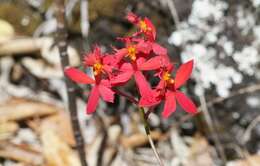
point(200, 152)
point(21, 45)
point(108, 155)
point(41, 69)
point(94, 149)
point(55, 150)
point(34, 124)
point(114, 132)
point(61, 125)
point(19, 109)
point(253, 160)
point(7, 129)
point(139, 139)
point(22, 153)
point(6, 29)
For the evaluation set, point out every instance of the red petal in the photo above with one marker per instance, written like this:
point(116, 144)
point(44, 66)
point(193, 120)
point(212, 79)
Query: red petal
point(149, 101)
point(140, 61)
point(93, 57)
point(126, 67)
point(152, 33)
point(126, 72)
point(153, 63)
point(106, 93)
point(108, 69)
point(170, 67)
point(90, 59)
point(161, 85)
point(170, 104)
point(120, 54)
point(185, 102)
point(109, 60)
point(105, 82)
point(93, 100)
point(143, 85)
point(183, 73)
point(78, 76)
point(144, 47)
point(131, 17)
point(159, 50)
point(97, 51)
point(122, 77)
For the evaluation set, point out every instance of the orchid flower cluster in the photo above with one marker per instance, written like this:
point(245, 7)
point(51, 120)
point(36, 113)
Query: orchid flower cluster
point(141, 54)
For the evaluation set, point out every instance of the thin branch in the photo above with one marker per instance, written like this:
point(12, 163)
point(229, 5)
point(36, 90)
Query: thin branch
point(71, 4)
point(174, 13)
point(212, 128)
point(62, 45)
point(127, 96)
point(84, 18)
point(242, 153)
point(248, 130)
point(147, 131)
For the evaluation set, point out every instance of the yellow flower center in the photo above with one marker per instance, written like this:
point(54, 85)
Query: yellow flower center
point(167, 78)
point(97, 67)
point(143, 26)
point(132, 53)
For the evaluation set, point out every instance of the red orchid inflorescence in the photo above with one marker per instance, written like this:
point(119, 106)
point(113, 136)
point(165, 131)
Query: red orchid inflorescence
point(140, 54)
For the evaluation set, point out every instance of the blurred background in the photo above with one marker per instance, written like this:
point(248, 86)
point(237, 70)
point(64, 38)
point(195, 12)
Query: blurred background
point(222, 36)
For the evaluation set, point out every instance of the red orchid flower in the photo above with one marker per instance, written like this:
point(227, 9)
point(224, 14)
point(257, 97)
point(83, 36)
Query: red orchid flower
point(127, 70)
point(167, 90)
point(101, 87)
point(155, 63)
point(151, 46)
point(137, 54)
point(132, 49)
point(101, 63)
point(135, 68)
point(145, 26)
point(141, 54)
point(135, 47)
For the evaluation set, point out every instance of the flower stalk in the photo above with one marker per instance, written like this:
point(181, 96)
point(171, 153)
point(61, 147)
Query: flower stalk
point(148, 133)
point(144, 117)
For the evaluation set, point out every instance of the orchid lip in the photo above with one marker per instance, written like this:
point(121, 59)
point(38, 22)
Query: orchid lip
point(167, 78)
point(97, 67)
point(132, 53)
point(143, 25)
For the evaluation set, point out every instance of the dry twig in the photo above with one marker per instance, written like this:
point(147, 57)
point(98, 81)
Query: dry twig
point(248, 130)
point(174, 13)
point(84, 18)
point(62, 44)
point(212, 128)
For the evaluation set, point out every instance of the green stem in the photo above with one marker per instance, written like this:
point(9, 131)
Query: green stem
point(146, 125)
point(148, 133)
point(144, 117)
